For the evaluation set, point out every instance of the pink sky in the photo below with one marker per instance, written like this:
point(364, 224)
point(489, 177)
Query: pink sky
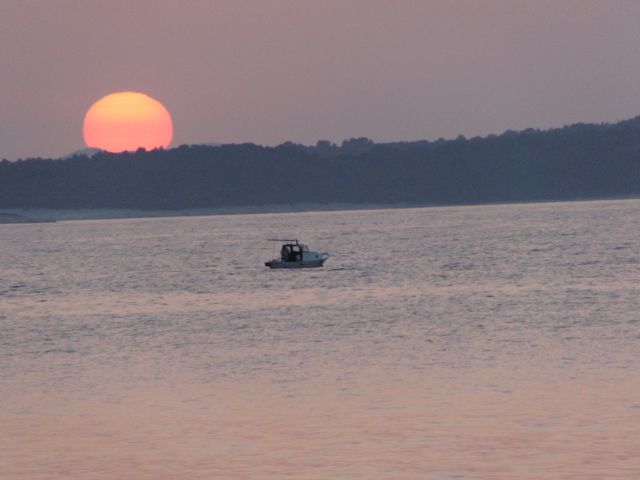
point(271, 71)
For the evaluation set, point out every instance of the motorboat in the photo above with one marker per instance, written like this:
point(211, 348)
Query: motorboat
point(294, 254)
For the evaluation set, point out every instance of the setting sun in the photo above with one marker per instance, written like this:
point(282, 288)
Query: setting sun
point(127, 121)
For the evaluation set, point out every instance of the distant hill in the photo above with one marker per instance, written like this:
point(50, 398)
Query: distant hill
point(210, 144)
point(575, 162)
point(87, 152)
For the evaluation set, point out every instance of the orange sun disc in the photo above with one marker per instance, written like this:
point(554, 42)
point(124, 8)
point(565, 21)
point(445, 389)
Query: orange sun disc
point(126, 121)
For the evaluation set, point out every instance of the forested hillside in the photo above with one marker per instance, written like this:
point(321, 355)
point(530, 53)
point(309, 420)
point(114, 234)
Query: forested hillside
point(578, 161)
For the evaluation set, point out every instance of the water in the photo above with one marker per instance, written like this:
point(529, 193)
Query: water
point(494, 342)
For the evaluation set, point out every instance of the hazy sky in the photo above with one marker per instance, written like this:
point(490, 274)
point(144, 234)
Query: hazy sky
point(271, 71)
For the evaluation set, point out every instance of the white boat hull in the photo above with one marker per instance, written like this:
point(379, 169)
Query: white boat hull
point(298, 264)
point(309, 260)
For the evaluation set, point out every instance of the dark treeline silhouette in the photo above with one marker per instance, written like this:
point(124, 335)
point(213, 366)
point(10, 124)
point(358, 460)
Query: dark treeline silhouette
point(575, 162)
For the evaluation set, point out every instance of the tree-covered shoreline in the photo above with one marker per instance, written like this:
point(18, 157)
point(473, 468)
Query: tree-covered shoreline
point(580, 161)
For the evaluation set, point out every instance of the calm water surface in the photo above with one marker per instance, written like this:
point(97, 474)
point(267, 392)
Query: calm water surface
point(495, 342)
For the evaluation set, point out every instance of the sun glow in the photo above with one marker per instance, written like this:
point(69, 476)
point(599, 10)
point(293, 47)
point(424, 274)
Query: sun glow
point(126, 121)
